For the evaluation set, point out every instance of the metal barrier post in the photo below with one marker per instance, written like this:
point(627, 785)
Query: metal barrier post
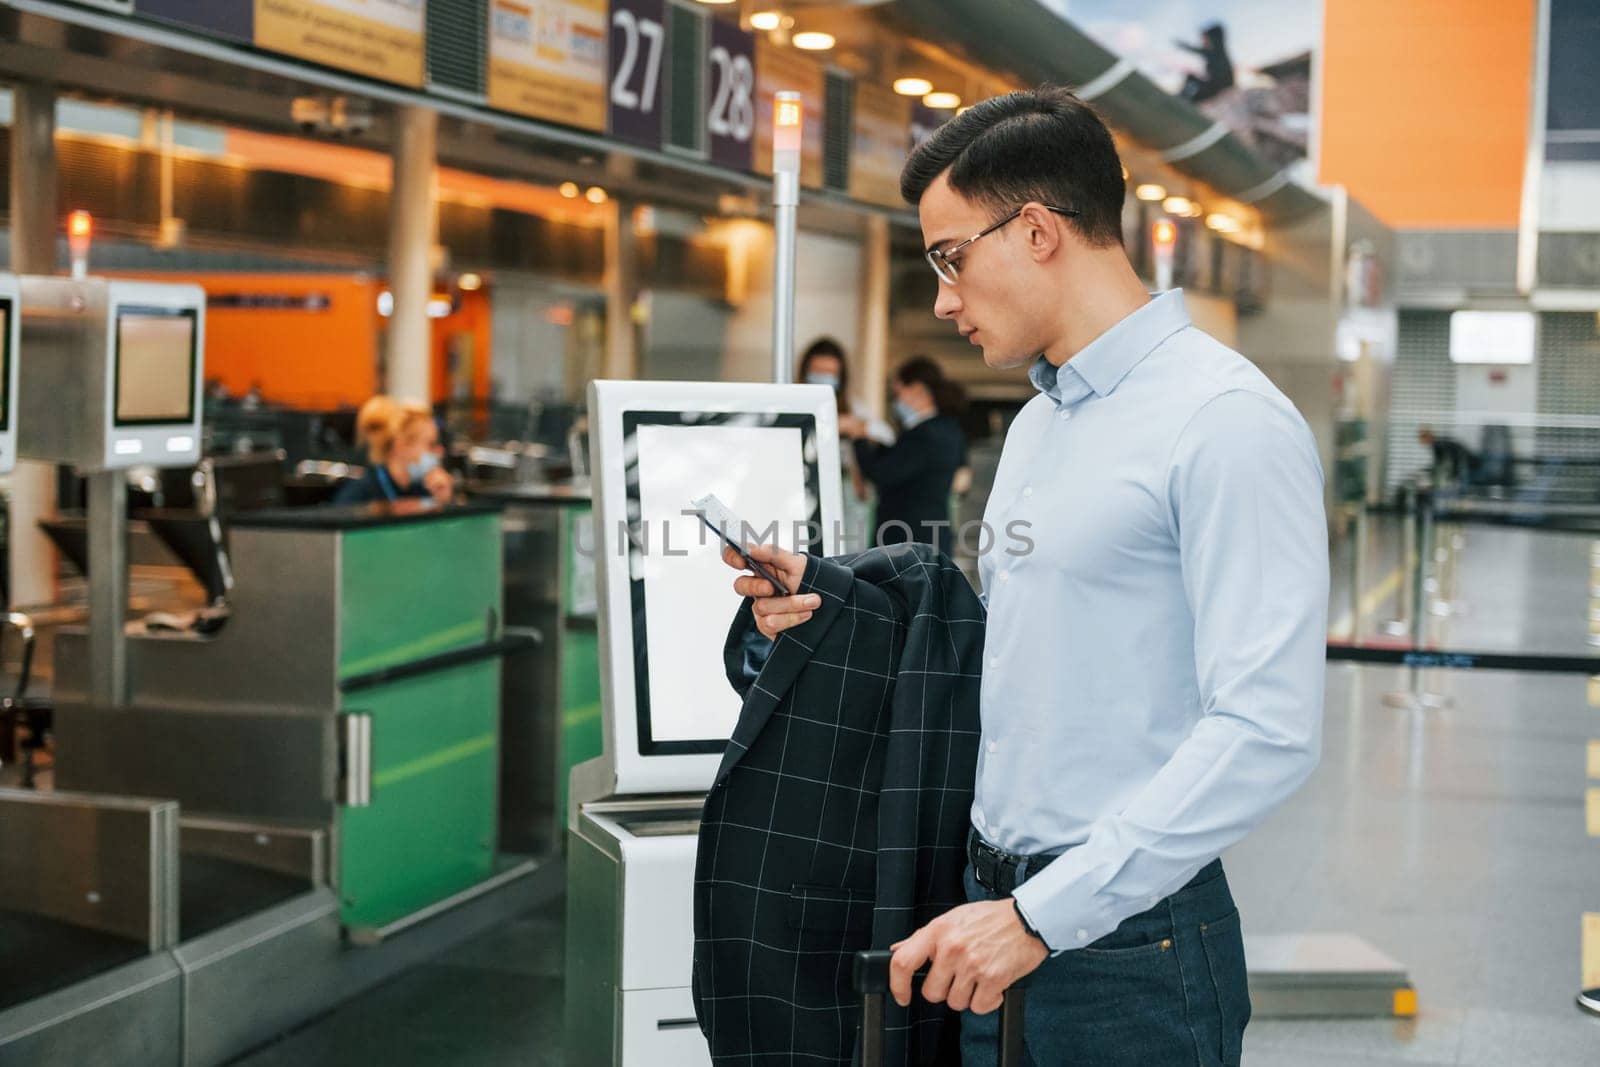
point(1401, 623)
point(1358, 568)
point(1415, 696)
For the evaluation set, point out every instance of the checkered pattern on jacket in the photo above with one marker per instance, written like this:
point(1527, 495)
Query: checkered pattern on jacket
point(839, 815)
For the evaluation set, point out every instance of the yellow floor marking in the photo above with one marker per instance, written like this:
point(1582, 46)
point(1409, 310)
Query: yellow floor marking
point(1594, 692)
point(1591, 807)
point(1591, 950)
point(1594, 759)
point(1371, 599)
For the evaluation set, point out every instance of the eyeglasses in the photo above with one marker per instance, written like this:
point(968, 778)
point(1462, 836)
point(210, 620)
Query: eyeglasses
point(943, 261)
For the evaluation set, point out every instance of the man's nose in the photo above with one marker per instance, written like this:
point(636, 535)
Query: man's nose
point(947, 303)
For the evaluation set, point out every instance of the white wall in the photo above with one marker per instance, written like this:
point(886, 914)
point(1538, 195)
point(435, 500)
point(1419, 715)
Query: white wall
point(827, 304)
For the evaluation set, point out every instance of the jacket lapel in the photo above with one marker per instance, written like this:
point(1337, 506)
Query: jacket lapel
point(790, 653)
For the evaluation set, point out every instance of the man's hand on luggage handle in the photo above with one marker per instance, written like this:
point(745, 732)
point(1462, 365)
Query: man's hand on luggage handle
point(774, 614)
point(976, 950)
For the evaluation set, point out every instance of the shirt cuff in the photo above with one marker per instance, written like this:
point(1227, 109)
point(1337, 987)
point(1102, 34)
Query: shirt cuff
point(1064, 908)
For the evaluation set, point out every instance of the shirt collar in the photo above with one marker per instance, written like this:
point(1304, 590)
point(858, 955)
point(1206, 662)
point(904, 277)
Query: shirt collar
point(1105, 361)
point(917, 420)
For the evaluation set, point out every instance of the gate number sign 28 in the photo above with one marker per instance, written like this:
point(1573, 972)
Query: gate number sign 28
point(733, 109)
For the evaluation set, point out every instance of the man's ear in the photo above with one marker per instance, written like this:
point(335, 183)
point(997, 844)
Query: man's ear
point(1041, 230)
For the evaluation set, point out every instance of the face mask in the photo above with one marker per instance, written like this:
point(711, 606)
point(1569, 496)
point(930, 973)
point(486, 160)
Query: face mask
point(418, 469)
point(817, 378)
point(904, 411)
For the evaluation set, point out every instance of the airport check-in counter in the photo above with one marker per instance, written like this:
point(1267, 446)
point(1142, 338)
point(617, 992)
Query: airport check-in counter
point(354, 689)
point(550, 694)
point(666, 600)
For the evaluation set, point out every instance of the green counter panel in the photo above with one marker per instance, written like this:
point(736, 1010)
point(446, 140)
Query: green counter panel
point(408, 592)
point(430, 829)
point(395, 610)
point(582, 735)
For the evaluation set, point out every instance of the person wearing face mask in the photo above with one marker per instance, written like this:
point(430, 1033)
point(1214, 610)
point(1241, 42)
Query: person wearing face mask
point(823, 363)
point(403, 451)
point(914, 475)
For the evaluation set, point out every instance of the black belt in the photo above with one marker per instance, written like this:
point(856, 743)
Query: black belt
point(1000, 871)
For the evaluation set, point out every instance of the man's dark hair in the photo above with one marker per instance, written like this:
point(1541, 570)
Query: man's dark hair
point(1037, 144)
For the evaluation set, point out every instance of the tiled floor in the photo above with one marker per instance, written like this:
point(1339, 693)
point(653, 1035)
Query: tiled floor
point(1454, 840)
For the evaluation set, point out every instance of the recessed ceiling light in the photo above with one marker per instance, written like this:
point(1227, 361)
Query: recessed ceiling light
point(570, 190)
point(595, 195)
point(942, 101)
point(812, 41)
point(766, 20)
point(1177, 205)
point(1150, 191)
point(913, 86)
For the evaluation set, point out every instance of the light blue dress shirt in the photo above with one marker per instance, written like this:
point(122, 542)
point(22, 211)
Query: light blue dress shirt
point(1153, 678)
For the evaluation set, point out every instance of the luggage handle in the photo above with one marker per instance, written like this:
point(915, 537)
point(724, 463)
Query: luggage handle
point(870, 976)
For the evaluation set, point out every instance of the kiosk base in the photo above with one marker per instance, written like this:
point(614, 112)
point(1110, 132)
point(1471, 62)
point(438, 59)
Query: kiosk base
point(630, 934)
point(1325, 976)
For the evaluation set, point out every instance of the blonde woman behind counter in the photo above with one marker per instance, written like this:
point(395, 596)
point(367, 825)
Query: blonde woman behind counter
point(403, 454)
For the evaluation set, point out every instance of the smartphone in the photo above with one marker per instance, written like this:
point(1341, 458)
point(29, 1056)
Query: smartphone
point(720, 520)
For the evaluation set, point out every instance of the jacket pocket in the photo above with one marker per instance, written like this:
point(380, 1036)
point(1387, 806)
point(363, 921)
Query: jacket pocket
point(829, 907)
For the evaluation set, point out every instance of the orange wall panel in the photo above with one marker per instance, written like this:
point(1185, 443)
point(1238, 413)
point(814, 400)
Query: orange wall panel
point(299, 357)
point(1425, 108)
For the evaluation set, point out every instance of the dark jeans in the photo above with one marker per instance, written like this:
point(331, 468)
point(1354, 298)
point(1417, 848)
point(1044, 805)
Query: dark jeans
point(1167, 987)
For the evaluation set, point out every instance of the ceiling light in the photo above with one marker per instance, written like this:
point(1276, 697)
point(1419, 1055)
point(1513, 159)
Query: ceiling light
point(1177, 205)
point(570, 190)
point(1151, 192)
point(812, 41)
point(595, 195)
point(766, 20)
point(717, 1)
point(1222, 223)
point(913, 86)
point(942, 101)
point(470, 282)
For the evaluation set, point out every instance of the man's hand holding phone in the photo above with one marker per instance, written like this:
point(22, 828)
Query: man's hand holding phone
point(774, 614)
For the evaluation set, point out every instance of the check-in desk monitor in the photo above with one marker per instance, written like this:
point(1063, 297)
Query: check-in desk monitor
point(771, 453)
point(10, 327)
point(123, 364)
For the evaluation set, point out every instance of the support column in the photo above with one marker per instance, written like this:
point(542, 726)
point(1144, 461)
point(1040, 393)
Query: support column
point(873, 358)
point(621, 286)
point(413, 226)
point(33, 223)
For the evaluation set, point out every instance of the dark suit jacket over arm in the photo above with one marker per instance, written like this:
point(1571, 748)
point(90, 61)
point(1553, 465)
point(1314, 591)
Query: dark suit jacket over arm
point(839, 815)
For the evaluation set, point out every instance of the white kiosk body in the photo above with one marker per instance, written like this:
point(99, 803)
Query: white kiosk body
point(10, 345)
point(771, 453)
point(139, 406)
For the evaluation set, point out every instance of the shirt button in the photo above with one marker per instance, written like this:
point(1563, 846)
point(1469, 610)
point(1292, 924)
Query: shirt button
point(1005, 576)
point(994, 661)
point(1027, 490)
point(1066, 414)
point(993, 746)
point(1083, 935)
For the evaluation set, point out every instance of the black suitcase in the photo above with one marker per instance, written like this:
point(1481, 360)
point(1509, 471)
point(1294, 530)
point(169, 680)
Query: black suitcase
point(870, 976)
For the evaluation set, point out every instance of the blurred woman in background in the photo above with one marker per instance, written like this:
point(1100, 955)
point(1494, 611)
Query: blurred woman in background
point(914, 476)
point(823, 363)
point(403, 454)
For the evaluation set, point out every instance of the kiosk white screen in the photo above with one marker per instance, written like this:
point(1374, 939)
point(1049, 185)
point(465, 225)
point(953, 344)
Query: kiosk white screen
point(760, 471)
point(155, 365)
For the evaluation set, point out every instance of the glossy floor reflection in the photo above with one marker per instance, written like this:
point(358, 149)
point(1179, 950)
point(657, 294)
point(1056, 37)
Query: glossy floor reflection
point(1454, 840)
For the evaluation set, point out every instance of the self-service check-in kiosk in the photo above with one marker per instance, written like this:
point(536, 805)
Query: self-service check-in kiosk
point(771, 453)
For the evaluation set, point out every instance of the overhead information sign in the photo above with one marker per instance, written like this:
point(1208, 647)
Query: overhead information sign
point(377, 38)
point(878, 144)
point(547, 60)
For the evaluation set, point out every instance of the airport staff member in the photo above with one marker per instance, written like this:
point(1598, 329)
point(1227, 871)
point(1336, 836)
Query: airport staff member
point(403, 450)
point(913, 476)
point(1153, 673)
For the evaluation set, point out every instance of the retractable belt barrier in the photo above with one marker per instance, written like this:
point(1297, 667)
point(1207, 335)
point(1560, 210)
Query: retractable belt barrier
point(1458, 660)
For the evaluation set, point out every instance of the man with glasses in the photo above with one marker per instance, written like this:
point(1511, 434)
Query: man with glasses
point(1153, 673)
